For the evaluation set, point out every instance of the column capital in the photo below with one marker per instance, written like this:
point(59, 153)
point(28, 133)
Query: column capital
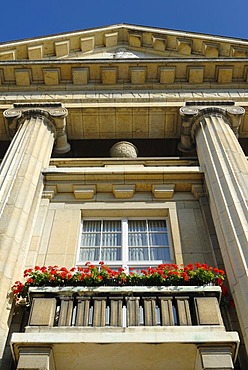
point(192, 115)
point(53, 116)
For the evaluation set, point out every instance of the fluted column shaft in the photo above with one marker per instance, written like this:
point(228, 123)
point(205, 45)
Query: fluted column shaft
point(226, 174)
point(21, 185)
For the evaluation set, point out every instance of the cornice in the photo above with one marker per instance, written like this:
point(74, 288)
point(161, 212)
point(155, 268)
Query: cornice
point(136, 37)
point(123, 182)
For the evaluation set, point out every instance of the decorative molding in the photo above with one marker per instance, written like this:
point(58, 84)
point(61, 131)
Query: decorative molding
point(191, 116)
point(152, 73)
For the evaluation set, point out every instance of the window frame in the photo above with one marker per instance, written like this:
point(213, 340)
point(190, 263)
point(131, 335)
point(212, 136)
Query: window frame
point(124, 262)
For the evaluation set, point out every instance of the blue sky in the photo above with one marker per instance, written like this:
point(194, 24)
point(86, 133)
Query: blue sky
point(31, 18)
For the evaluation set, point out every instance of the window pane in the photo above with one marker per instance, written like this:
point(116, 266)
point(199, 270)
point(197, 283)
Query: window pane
point(89, 254)
point(111, 254)
point(91, 226)
point(136, 239)
point(111, 225)
point(157, 253)
point(157, 225)
point(136, 225)
point(138, 254)
point(109, 240)
point(158, 239)
point(90, 240)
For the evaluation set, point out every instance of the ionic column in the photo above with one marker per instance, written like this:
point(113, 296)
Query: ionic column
point(226, 174)
point(35, 132)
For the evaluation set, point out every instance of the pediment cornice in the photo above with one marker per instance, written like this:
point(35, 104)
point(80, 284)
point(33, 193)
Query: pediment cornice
point(157, 42)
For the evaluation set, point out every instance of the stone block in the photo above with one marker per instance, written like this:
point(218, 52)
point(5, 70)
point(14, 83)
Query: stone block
point(159, 43)
point(33, 358)
point(8, 55)
point(210, 50)
point(87, 44)
point(184, 46)
point(208, 311)
point(62, 48)
point(111, 39)
point(167, 75)
point(216, 358)
point(237, 52)
point(51, 76)
point(195, 75)
point(80, 76)
point(22, 77)
point(123, 191)
point(35, 52)
point(109, 76)
point(42, 312)
point(163, 191)
point(84, 191)
point(224, 74)
point(134, 40)
point(138, 75)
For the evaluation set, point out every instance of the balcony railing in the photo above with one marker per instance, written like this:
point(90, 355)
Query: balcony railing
point(125, 306)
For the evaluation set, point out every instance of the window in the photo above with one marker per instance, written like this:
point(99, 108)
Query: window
point(125, 242)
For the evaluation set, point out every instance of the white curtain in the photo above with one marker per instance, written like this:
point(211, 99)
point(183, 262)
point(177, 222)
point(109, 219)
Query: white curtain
point(148, 240)
point(101, 240)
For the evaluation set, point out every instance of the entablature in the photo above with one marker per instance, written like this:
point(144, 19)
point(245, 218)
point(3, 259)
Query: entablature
point(122, 180)
point(92, 74)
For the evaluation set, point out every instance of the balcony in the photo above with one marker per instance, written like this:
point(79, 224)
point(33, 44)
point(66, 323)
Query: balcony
point(114, 327)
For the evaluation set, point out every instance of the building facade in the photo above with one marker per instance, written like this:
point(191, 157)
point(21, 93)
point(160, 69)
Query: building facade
point(111, 137)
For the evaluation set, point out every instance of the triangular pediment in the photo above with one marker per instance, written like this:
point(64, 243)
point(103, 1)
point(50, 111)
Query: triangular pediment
point(124, 42)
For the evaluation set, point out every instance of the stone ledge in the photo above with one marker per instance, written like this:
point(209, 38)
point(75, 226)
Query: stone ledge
point(127, 335)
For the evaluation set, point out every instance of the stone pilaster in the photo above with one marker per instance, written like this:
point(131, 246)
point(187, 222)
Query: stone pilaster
point(35, 131)
point(225, 167)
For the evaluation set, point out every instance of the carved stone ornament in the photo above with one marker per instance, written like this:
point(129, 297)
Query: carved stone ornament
point(191, 117)
point(124, 149)
point(53, 116)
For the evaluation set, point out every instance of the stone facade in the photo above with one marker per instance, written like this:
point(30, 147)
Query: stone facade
point(124, 122)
